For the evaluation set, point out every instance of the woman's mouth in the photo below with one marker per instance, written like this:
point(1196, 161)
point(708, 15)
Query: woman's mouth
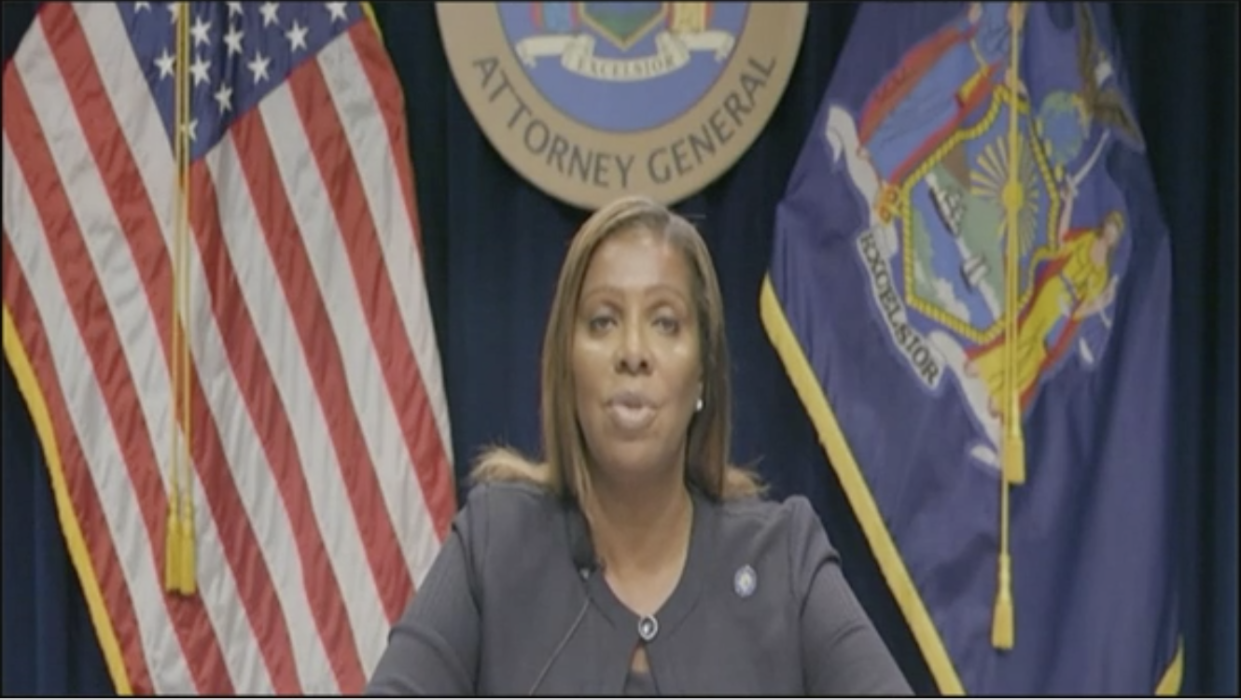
point(631, 411)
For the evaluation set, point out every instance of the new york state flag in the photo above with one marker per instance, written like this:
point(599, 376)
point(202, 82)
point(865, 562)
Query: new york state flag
point(970, 289)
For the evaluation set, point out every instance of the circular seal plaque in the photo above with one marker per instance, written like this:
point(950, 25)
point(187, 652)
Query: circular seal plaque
point(592, 100)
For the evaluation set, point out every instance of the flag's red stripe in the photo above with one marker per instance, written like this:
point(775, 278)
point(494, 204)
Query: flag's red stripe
point(319, 344)
point(103, 344)
point(271, 422)
point(432, 467)
point(82, 494)
point(140, 225)
point(339, 173)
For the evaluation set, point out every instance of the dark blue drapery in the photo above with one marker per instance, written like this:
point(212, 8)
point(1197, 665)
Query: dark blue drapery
point(493, 246)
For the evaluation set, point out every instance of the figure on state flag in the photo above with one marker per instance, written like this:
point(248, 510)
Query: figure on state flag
point(929, 152)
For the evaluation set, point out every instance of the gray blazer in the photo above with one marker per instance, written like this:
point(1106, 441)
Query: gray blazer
point(515, 606)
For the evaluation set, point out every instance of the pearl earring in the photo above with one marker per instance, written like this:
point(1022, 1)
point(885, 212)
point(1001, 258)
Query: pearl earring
point(698, 406)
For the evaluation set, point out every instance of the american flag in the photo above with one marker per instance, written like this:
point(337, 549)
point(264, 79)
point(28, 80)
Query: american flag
point(322, 481)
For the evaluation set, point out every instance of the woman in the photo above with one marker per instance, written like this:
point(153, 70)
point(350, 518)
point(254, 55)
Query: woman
point(635, 560)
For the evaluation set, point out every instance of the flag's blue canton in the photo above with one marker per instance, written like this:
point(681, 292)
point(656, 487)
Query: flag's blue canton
point(239, 52)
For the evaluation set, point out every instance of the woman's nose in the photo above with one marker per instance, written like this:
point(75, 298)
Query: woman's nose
point(633, 352)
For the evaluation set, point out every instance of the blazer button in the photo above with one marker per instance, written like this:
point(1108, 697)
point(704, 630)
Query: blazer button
point(648, 627)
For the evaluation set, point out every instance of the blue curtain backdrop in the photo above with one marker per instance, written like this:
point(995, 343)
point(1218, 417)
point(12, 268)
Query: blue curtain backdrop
point(488, 234)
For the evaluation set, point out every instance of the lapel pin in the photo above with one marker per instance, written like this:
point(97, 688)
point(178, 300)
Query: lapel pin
point(745, 581)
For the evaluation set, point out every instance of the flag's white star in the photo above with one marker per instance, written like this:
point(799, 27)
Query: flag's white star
point(224, 97)
point(258, 66)
point(174, 11)
point(199, 68)
point(140, 6)
point(337, 9)
point(268, 10)
point(296, 36)
point(165, 62)
point(233, 40)
point(199, 30)
point(191, 129)
point(234, 8)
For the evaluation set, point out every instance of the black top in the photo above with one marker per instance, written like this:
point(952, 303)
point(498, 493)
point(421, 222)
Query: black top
point(513, 606)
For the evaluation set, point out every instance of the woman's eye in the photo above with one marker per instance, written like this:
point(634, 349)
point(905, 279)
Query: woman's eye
point(668, 325)
point(599, 323)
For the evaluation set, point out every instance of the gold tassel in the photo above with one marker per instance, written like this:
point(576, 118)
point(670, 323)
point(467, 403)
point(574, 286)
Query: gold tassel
point(172, 546)
point(1002, 619)
point(1013, 463)
point(1003, 627)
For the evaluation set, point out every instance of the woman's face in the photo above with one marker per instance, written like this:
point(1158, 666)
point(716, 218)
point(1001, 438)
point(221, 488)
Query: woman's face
point(636, 356)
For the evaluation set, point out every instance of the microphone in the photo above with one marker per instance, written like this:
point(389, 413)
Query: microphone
point(582, 553)
point(581, 548)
